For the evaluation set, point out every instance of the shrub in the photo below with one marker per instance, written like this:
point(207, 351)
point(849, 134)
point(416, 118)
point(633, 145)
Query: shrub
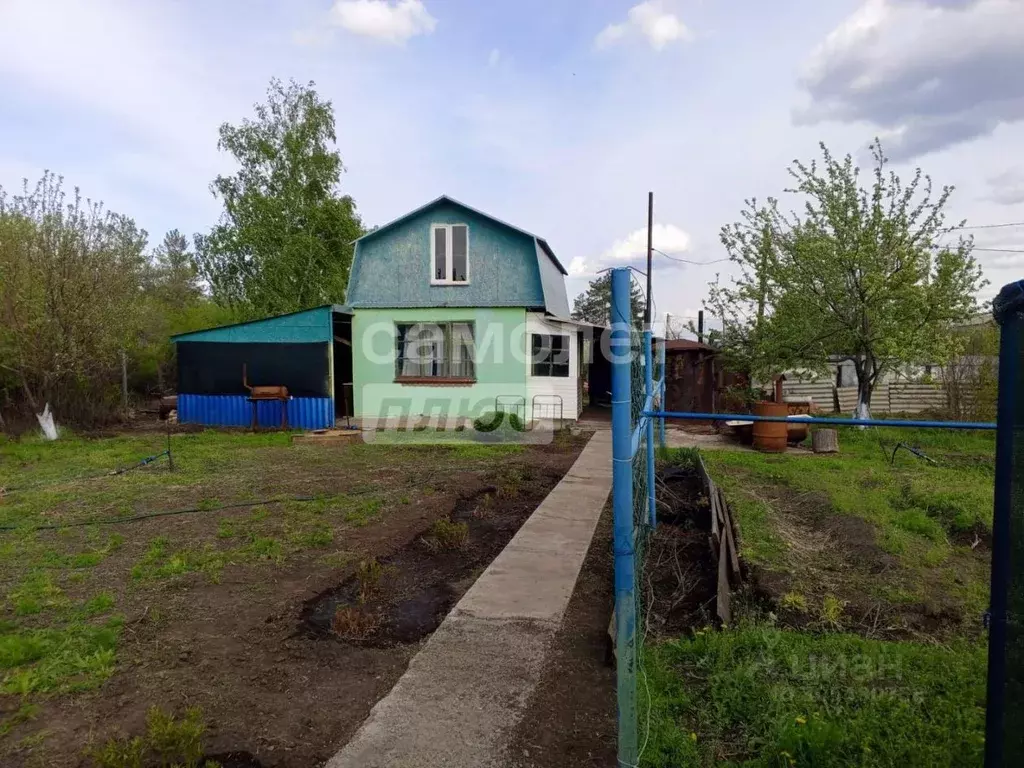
point(499, 421)
point(447, 535)
point(176, 742)
point(118, 753)
point(173, 742)
point(368, 576)
point(510, 482)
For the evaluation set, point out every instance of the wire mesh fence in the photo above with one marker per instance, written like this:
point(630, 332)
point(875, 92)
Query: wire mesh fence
point(637, 381)
point(638, 424)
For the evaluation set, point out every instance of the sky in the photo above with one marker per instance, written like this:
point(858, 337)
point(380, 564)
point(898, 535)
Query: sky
point(558, 116)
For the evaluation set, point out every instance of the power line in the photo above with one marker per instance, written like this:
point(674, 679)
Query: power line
point(689, 261)
point(987, 226)
point(937, 246)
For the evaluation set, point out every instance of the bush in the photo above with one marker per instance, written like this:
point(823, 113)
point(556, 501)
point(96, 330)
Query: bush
point(447, 535)
point(176, 742)
point(499, 421)
point(170, 741)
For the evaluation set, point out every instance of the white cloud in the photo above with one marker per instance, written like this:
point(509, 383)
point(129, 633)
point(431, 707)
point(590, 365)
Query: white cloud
point(650, 19)
point(632, 249)
point(929, 73)
point(112, 61)
point(610, 35)
point(494, 57)
point(387, 20)
point(1007, 187)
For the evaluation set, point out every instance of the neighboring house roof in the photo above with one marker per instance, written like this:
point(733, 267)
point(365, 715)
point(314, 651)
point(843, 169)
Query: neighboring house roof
point(676, 345)
point(542, 243)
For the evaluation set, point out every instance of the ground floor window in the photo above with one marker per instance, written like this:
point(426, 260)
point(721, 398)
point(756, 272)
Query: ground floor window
point(549, 355)
point(435, 350)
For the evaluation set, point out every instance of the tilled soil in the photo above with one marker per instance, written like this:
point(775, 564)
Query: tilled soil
point(572, 715)
point(255, 651)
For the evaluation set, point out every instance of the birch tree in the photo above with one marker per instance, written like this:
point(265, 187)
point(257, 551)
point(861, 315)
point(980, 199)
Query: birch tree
point(284, 241)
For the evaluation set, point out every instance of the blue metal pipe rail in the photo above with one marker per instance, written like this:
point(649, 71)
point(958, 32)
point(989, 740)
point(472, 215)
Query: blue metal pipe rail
point(829, 420)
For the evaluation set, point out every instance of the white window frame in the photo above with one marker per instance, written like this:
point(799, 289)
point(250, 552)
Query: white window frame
point(449, 261)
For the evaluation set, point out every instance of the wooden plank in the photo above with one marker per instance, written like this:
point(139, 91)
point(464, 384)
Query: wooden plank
point(724, 596)
point(734, 555)
point(328, 437)
point(713, 501)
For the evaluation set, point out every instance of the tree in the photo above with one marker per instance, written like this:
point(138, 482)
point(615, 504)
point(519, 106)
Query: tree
point(70, 274)
point(866, 274)
point(172, 301)
point(594, 304)
point(174, 275)
point(285, 238)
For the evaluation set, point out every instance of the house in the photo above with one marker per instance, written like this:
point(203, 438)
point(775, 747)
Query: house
point(450, 313)
point(455, 313)
point(690, 376)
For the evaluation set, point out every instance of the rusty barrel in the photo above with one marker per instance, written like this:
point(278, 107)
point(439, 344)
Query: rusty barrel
point(770, 436)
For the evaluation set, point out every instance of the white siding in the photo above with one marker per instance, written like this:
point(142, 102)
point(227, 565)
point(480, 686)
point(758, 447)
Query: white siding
point(545, 388)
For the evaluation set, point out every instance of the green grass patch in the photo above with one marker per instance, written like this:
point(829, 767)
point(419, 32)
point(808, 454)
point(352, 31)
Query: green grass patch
point(36, 593)
point(169, 741)
point(362, 512)
point(921, 513)
point(767, 697)
point(77, 656)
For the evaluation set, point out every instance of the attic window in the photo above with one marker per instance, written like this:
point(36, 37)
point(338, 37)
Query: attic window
point(449, 254)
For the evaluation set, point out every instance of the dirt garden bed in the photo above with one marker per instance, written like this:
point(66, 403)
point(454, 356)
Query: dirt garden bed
point(219, 610)
point(572, 715)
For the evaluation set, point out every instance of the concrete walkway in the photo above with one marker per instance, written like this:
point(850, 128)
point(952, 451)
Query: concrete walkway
point(469, 685)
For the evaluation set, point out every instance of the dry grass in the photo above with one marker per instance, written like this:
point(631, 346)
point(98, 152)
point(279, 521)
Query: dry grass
point(355, 621)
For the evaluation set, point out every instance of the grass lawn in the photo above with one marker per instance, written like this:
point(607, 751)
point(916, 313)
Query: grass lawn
point(894, 537)
point(858, 638)
point(100, 600)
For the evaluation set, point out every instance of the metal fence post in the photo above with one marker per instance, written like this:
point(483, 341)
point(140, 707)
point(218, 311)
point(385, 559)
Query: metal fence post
point(622, 500)
point(649, 424)
point(1007, 309)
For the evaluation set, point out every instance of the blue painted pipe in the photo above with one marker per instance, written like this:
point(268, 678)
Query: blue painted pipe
point(649, 426)
point(823, 420)
point(622, 517)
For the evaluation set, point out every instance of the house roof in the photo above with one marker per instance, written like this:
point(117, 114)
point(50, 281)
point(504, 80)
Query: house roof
point(445, 199)
point(216, 331)
point(678, 345)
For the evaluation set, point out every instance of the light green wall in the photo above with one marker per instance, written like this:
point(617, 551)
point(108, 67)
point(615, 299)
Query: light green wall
point(500, 335)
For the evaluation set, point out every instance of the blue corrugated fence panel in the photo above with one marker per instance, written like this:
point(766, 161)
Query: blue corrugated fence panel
point(236, 411)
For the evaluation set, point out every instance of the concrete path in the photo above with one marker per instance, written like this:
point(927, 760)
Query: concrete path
point(467, 688)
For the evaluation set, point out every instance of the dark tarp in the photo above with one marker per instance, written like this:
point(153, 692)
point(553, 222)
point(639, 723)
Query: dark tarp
point(212, 368)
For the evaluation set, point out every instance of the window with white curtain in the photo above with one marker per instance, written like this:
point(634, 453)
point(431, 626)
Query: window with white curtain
point(435, 350)
point(449, 254)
